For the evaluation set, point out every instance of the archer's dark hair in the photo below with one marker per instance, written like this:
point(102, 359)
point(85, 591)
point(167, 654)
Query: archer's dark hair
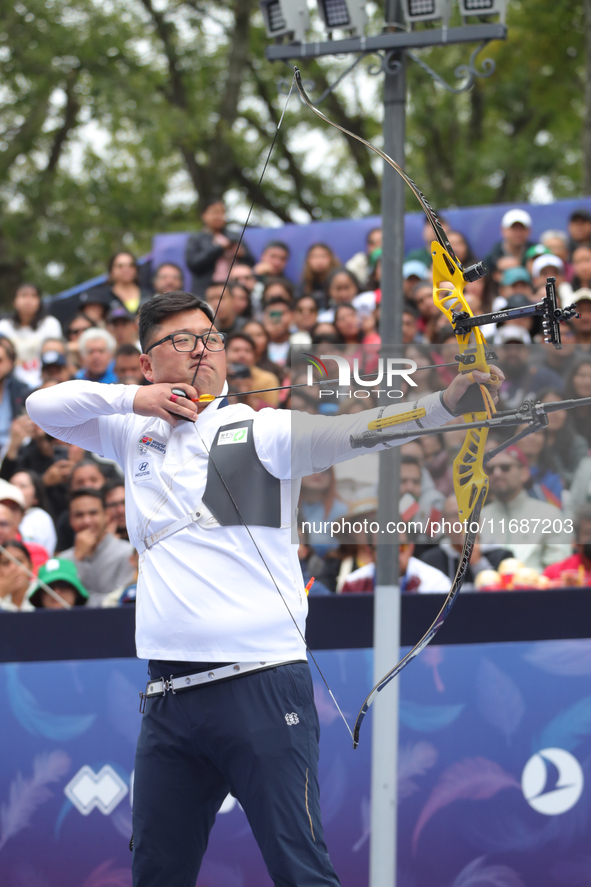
point(159, 307)
point(88, 491)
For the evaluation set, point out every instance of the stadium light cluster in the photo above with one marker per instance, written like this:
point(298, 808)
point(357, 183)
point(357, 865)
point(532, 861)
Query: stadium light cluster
point(290, 19)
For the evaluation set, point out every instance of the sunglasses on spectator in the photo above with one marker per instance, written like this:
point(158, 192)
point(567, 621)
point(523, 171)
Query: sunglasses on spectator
point(76, 331)
point(505, 467)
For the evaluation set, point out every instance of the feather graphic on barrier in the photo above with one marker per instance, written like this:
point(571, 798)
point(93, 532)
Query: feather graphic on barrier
point(325, 708)
point(477, 874)
point(122, 704)
point(428, 718)
point(569, 658)
point(26, 794)
point(121, 821)
point(473, 779)
point(568, 728)
point(432, 658)
point(499, 699)
point(106, 876)
point(333, 790)
point(28, 713)
point(413, 760)
point(26, 875)
point(365, 825)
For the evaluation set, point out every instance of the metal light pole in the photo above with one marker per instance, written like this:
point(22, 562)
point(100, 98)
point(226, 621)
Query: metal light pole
point(384, 760)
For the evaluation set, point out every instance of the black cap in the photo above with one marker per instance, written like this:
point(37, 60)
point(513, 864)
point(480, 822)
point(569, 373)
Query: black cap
point(119, 312)
point(518, 301)
point(580, 213)
point(53, 359)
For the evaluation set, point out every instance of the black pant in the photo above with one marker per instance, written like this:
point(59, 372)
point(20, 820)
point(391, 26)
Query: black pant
point(255, 736)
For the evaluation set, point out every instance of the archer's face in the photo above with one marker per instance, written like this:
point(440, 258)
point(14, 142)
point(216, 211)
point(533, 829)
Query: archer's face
point(165, 364)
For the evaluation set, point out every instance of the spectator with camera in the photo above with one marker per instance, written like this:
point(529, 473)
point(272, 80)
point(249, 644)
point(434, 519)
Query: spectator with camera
point(210, 252)
point(241, 357)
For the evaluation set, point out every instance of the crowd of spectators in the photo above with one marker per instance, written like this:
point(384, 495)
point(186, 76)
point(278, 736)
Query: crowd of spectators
point(62, 510)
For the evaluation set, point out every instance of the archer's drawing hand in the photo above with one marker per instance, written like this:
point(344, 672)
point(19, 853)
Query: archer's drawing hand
point(462, 382)
point(159, 401)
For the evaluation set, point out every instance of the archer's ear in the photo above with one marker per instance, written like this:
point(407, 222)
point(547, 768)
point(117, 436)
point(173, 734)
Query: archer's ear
point(146, 367)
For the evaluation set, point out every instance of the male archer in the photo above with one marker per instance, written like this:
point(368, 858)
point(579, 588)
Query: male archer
point(221, 606)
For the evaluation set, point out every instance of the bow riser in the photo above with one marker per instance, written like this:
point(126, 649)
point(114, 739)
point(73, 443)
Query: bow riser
point(468, 473)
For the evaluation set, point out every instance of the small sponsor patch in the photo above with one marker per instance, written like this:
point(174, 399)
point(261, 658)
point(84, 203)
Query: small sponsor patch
point(146, 443)
point(291, 719)
point(142, 470)
point(238, 435)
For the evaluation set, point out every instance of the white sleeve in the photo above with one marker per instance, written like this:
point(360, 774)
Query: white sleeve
point(89, 414)
point(291, 444)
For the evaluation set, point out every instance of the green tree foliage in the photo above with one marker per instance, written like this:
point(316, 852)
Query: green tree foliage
point(120, 118)
point(490, 145)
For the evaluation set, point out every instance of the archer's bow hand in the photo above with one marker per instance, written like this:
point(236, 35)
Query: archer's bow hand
point(456, 390)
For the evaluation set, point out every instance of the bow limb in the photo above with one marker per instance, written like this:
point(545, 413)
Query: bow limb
point(435, 625)
point(438, 230)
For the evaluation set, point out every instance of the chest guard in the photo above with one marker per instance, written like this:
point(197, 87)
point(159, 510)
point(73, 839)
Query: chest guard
point(245, 480)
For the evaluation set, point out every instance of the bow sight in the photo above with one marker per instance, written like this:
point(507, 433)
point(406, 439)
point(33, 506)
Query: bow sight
point(463, 322)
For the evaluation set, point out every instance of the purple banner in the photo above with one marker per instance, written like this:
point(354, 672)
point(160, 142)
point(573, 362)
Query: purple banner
point(494, 773)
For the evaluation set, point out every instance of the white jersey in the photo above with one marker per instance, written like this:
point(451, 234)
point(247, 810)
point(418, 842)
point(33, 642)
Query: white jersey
point(204, 593)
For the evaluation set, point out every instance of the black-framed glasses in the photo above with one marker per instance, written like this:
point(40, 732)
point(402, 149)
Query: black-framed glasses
point(212, 340)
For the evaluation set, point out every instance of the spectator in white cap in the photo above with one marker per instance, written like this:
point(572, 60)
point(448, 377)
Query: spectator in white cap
point(547, 265)
point(582, 326)
point(512, 333)
point(516, 227)
point(54, 368)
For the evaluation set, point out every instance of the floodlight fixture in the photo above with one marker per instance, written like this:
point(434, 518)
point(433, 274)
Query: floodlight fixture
point(426, 10)
point(350, 15)
point(484, 8)
point(286, 18)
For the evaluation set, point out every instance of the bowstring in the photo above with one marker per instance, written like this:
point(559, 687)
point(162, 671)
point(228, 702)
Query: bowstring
point(244, 227)
point(247, 528)
point(273, 580)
